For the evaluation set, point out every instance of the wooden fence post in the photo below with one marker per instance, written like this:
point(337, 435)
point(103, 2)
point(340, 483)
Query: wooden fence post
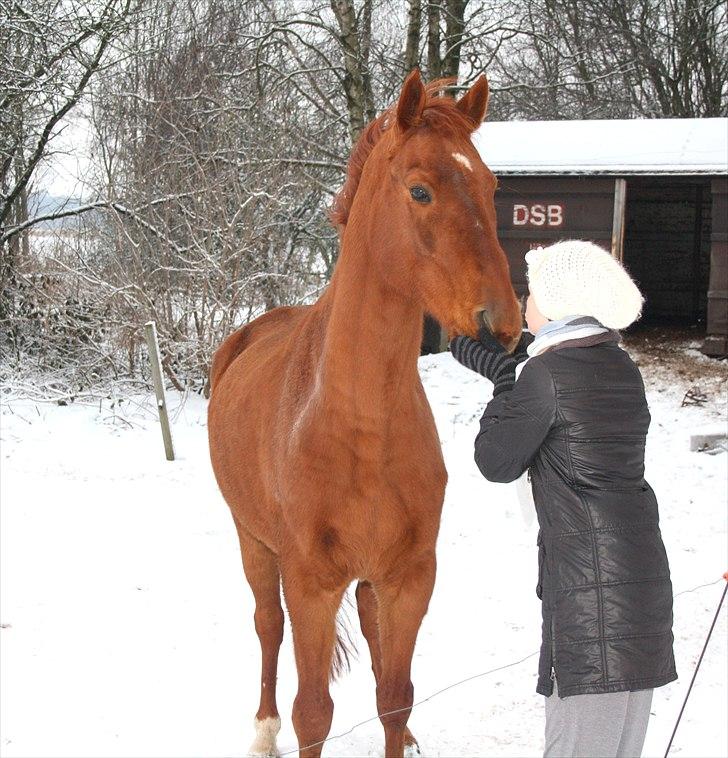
point(150, 332)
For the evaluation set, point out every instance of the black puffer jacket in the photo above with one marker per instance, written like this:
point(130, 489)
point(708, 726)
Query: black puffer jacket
point(577, 418)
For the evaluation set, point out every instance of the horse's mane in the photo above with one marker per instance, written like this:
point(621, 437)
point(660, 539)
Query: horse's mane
point(440, 112)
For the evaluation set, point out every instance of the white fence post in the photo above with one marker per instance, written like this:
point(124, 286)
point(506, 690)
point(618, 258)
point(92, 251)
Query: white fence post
point(150, 332)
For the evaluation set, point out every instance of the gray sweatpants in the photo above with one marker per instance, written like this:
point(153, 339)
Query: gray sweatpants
point(608, 725)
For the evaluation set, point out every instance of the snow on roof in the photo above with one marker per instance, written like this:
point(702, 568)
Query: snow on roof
point(640, 146)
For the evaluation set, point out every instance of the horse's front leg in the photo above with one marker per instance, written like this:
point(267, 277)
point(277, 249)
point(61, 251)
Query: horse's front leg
point(312, 606)
point(368, 608)
point(403, 601)
point(261, 570)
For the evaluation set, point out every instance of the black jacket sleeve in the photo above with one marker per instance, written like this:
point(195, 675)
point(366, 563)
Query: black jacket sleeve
point(515, 424)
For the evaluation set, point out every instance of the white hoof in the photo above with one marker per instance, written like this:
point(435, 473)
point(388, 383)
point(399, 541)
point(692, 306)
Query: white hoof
point(412, 751)
point(266, 731)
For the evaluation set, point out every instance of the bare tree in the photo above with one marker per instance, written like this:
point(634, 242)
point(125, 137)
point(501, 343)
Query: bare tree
point(50, 52)
point(221, 132)
point(414, 27)
point(626, 58)
point(222, 228)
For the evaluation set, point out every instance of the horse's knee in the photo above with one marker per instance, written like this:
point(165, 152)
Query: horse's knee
point(269, 623)
point(394, 702)
point(312, 715)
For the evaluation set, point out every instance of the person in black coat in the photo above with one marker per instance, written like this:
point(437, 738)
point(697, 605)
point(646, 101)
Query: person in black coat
point(576, 420)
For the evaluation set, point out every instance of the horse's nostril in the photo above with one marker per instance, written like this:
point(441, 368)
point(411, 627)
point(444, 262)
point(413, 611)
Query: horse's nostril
point(508, 340)
point(512, 343)
point(482, 318)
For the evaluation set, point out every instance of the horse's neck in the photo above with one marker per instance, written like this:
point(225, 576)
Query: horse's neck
point(373, 335)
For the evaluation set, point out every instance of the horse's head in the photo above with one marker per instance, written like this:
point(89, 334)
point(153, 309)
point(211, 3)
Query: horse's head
point(428, 204)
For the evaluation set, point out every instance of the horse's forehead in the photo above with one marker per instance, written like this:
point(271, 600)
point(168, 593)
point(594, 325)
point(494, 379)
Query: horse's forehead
point(463, 160)
point(445, 154)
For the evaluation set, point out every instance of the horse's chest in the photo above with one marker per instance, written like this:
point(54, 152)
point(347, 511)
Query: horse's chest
point(361, 463)
point(366, 491)
point(365, 483)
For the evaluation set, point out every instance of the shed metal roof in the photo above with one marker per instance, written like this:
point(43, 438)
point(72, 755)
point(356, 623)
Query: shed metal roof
point(616, 147)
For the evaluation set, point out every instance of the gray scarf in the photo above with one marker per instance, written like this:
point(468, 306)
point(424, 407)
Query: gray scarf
point(570, 329)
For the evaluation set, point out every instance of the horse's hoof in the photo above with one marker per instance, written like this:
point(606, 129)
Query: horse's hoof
point(270, 751)
point(266, 731)
point(412, 751)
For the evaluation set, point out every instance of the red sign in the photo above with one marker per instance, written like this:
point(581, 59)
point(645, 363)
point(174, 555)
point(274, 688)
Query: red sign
point(539, 215)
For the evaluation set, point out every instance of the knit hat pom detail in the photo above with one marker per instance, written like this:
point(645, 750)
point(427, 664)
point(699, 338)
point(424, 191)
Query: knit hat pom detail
point(575, 277)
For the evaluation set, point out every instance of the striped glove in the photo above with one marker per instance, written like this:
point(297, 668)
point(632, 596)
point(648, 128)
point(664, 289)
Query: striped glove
point(489, 358)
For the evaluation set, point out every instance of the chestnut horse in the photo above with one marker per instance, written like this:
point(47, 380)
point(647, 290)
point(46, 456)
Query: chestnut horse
point(321, 437)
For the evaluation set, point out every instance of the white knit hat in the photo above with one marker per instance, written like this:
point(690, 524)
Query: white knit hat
point(577, 278)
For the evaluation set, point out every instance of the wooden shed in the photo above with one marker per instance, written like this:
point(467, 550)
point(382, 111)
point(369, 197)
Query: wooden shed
point(653, 192)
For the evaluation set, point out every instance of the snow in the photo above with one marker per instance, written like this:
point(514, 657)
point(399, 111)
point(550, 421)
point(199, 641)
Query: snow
point(622, 147)
point(127, 626)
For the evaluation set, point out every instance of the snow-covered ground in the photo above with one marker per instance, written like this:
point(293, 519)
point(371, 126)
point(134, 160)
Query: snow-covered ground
point(127, 626)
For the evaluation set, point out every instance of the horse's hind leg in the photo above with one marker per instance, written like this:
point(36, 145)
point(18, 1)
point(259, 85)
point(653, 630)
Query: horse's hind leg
point(366, 601)
point(263, 575)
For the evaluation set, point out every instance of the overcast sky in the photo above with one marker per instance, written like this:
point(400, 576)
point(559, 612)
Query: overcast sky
point(63, 171)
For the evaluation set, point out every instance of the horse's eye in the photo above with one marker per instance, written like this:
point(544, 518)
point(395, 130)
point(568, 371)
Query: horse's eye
point(420, 194)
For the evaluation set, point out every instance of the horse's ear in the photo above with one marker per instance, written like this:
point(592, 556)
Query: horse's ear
point(411, 101)
point(474, 102)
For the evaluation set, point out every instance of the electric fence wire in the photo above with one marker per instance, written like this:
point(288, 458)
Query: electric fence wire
point(697, 666)
point(502, 668)
point(414, 705)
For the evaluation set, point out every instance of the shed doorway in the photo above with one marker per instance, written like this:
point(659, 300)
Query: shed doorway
point(667, 247)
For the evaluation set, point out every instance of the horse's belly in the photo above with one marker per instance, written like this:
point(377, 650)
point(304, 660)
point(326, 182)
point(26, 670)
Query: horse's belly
point(239, 430)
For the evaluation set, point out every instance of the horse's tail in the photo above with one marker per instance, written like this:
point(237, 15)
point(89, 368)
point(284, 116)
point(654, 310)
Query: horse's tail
point(344, 647)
